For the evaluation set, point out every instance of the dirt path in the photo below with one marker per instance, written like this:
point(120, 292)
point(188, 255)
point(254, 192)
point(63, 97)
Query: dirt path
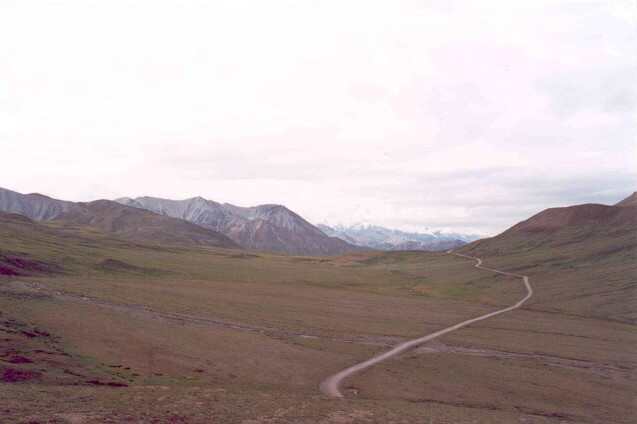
point(330, 386)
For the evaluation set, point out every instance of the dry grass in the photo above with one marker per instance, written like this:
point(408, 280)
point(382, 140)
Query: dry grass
point(210, 335)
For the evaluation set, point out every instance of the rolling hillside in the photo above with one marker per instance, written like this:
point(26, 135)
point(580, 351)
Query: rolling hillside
point(128, 330)
point(586, 256)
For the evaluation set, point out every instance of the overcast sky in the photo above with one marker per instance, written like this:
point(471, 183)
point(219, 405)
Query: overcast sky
point(465, 115)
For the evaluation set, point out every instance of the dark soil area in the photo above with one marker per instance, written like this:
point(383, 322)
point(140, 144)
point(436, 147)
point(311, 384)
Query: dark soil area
point(13, 375)
point(29, 354)
point(20, 265)
point(117, 266)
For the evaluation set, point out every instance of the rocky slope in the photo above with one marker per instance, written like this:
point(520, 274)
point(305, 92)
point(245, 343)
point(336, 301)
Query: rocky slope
point(113, 218)
point(265, 227)
point(140, 225)
point(381, 238)
point(34, 206)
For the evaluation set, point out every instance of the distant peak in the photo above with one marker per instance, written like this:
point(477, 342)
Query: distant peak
point(39, 195)
point(272, 206)
point(102, 202)
point(360, 225)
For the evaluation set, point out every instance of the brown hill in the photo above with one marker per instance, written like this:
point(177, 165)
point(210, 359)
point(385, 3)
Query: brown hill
point(561, 226)
point(581, 215)
point(582, 259)
point(629, 201)
point(140, 225)
point(20, 263)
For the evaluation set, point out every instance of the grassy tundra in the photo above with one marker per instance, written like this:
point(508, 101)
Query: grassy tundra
point(97, 329)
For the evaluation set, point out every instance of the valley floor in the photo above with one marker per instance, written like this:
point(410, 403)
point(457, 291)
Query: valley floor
point(174, 335)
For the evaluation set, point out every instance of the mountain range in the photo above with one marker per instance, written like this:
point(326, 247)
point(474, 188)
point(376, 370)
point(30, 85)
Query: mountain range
point(195, 221)
point(112, 218)
point(265, 227)
point(202, 222)
point(381, 238)
point(84, 309)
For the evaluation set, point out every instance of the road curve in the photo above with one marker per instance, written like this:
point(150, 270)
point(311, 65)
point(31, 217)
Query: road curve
point(330, 386)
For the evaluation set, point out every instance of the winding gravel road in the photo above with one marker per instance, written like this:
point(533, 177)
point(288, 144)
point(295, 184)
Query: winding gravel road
point(330, 386)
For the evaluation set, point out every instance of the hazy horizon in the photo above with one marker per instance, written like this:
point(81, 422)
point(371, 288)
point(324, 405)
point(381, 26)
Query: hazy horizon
point(410, 115)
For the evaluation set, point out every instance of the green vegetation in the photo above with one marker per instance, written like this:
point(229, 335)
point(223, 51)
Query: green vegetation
point(147, 332)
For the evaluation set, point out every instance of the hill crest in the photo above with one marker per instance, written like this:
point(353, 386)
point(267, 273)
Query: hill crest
point(270, 227)
point(111, 218)
point(629, 201)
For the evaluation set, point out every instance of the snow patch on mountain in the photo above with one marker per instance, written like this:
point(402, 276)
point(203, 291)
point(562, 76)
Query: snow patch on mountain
point(377, 237)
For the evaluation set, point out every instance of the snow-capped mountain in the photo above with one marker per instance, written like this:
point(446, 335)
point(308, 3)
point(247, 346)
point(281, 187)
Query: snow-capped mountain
point(377, 237)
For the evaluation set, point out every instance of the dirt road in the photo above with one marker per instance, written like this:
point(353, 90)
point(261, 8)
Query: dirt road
point(330, 386)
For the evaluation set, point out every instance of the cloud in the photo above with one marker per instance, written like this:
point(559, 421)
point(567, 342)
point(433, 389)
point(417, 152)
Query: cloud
point(457, 114)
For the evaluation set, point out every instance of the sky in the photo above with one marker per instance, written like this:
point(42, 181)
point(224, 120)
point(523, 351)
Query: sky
point(460, 115)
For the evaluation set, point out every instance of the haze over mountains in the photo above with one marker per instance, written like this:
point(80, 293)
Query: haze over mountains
point(265, 227)
point(198, 221)
point(381, 238)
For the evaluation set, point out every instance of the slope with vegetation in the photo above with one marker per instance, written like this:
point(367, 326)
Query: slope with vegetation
point(592, 249)
point(135, 331)
point(578, 330)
